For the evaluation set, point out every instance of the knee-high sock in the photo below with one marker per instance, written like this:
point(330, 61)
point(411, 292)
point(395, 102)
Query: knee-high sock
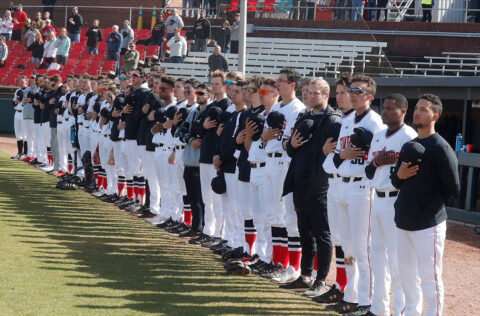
point(105, 182)
point(141, 190)
point(187, 211)
point(25, 147)
point(280, 252)
point(121, 185)
point(49, 156)
point(19, 147)
point(135, 188)
point(341, 273)
point(294, 252)
point(101, 177)
point(95, 172)
point(250, 234)
point(70, 164)
point(130, 189)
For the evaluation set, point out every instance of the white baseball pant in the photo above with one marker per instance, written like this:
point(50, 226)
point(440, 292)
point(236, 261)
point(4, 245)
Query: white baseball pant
point(177, 182)
point(30, 137)
point(244, 210)
point(230, 212)
point(166, 201)
point(421, 254)
point(104, 151)
point(19, 126)
point(334, 197)
point(40, 148)
point(83, 139)
point(213, 209)
point(151, 174)
point(63, 142)
point(134, 168)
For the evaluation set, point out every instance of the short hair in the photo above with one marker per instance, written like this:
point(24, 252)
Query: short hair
point(226, 22)
point(142, 72)
point(270, 82)
point(126, 21)
point(168, 80)
point(192, 82)
point(86, 77)
point(399, 99)
point(237, 14)
point(371, 85)
point(236, 75)
point(157, 68)
point(182, 80)
point(306, 82)
point(322, 83)
point(56, 78)
point(437, 105)
point(2, 38)
point(205, 86)
point(345, 79)
point(256, 81)
point(219, 74)
point(292, 75)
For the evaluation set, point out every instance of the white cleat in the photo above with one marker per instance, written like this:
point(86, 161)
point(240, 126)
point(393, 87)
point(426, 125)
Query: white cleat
point(287, 276)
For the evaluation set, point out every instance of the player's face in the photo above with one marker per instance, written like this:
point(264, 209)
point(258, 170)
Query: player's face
point(284, 86)
point(217, 85)
point(424, 115)
point(189, 92)
point(316, 96)
point(343, 98)
point(202, 96)
point(360, 101)
point(305, 97)
point(94, 85)
point(237, 94)
point(156, 85)
point(165, 91)
point(179, 90)
point(269, 95)
point(392, 114)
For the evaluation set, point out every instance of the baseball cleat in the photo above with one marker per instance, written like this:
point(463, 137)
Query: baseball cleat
point(318, 288)
point(287, 276)
point(342, 307)
point(359, 310)
point(333, 295)
point(297, 285)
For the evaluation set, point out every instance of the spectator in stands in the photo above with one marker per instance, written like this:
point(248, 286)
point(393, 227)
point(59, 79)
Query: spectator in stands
point(127, 36)
point(201, 31)
point(19, 19)
point(382, 4)
point(31, 34)
point(94, 36)
point(48, 28)
point(12, 8)
point(357, 10)
point(310, 6)
point(37, 49)
point(46, 16)
point(173, 22)
point(178, 47)
point(427, 6)
point(48, 7)
point(114, 41)
point(49, 50)
point(223, 36)
point(39, 21)
point(62, 43)
point(217, 61)
point(371, 8)
point(6, 25)
point(74, 26)
point(131, 57)
point(235, 34)
point(190, 5)
point(3, 51)
point(158, 32)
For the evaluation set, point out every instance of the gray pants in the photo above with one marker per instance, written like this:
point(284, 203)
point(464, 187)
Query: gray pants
point(200, 45)
point(54, 147)
point(343, 13)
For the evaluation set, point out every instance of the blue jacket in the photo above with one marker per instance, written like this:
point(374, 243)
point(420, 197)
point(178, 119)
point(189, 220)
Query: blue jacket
point(115, 44)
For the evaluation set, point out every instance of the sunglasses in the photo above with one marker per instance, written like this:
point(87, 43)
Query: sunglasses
point(122, 78)
point(357, 91)
point(200, 93)
point(230, 82)
point(102, 89)
point(134, 75)
point(252, 90)
point(264, 92)
point(163, 89)
point(280, 80)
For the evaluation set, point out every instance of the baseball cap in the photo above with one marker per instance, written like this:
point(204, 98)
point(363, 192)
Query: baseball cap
point(275, 119)
point(413, 152)
point(361, 138)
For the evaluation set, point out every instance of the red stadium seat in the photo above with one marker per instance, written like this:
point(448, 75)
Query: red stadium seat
point(234, 6)
point(152, 51)
point(252, 5)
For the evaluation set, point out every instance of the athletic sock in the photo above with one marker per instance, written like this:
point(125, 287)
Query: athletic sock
point(276, 244)
point(294, 252)
point(250, 234)
point(25, 148)
point(49, 156)
point(70, 164)
point(121, 186)
point(341, 273)
point(187, 211)
point(130, 189)
point(19, 147)
point(141, 190)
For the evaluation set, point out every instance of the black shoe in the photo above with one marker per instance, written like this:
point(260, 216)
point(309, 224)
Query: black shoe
point(214, 241)
point(369, 313)
point(359, 311)
point(177, 228)
point(140, 211)
point(318, 288)
point(221, 250)
point(184, 229)
point(33, 162)
point(273, 272)
point(236, 253)
point(188, 233)
point(146, 213)
point(121, 200)
point(165, 224)
point(298, 284)
point(40, 164)
point(222, 244)
point(171, 224)
point(132, 208)
point(342, 307)
point(106, 197)
point(258, 266)
point(333, 295)
point(123, 205)
point(113, 198)
point(199, 239)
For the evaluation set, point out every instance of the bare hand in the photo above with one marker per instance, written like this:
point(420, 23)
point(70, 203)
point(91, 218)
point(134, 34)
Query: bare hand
point(208, 124)
point(145, 108)
point(217, 162)
point(171, 158)
point(128, 109)
point(406, 171)
point(352, 153)
point(296, 140)
point(177, 118)
point(57, 111)
point(151, 116)
point(196, 143)
point(385, 158)
point(168, 124)
point(251, 128)
point(116, 113)
point(241, 136)
point(270, 133)
point(220, 129)
point(157, 128)
point(121, 126)
point(329, 146)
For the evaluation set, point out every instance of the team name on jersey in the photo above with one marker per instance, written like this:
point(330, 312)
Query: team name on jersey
point(376, 153)
point(344, 141)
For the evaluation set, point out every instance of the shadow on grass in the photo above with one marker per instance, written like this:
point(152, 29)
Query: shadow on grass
point(164, 272)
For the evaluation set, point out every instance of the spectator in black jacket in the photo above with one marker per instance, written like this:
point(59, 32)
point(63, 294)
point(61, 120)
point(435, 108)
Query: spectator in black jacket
point(48, 6)
point(223, 36)
point(201, 29)
point(94, 36)
point(74, 26)
point(37, 49)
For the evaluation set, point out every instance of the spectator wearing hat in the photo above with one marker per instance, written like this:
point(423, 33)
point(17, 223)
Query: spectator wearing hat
point(19, 19)
point(3, 51)
point(94, 36)
point(48, 28)
point(131, 57)
point(74, 26)
point(6, 25)
point(178, 47)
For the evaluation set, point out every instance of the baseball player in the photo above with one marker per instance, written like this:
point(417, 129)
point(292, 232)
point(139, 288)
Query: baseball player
point(28, 117)
point(382, 157)
point(334, 195)
point(51, 105)
point(281, 214)
point(355, 208)
point(425, 184)
point(61, 131)
point(19, 122)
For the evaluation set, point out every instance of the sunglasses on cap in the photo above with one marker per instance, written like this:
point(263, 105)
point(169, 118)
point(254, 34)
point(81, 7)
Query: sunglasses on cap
point(357, 91)
point(264, 91)
point(230, 82)
point(102, 89)
point(200, 93)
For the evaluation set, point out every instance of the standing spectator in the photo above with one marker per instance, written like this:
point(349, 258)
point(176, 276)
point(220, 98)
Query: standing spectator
point(94, 36)
point(212, 4)
point(131, 57)
point(178, 48)
point(49, 49)
point(12, 8)
point(37, 49)
point(48, 7)
point(235, 34)
point(6, 25)
point(217, 61)
point(372, 7)
point(39, 21)
point(19, 19)
point(127, 36)
point(47, 29)
point(190, 6)
point(223, 36)
point(114, 41)
point(3, 51)
point(46, 16)
point(427, 6)
point(201, 31)
point(310, 9)
point(74, 26)
point(31, 34)
point(357, 10)
point(382, 4)
point(158, 32)
point(62, 44)
point(173, 22)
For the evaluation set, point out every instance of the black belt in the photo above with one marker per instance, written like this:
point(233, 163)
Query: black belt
point(331, 175)
point(158, 145)
point(80, 124)
point(384, 194)
point(257, 165)
point(20, 111)
point(86, 126)
point(276, 155)
point(59, 122)
point(66, 119)
point(106, 135)
point(347, 179)
point(178, 147)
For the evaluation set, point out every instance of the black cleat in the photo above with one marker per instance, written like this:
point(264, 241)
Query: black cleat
point(199, 239)
point(188, 233)
point(298, 284)
point(342, 307)
point(165, 224)
point(359, 311)
point(318, 288)
point(333, 295)
point(273, 271)
point(214, 241)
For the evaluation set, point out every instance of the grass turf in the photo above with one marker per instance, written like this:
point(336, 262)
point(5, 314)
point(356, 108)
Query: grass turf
point(66, 253)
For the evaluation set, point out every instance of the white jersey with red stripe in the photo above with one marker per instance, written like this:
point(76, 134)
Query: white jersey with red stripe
point(381, 181)
point(164, 136)
point(328, 164)
point(290, 112)
point(371, 122)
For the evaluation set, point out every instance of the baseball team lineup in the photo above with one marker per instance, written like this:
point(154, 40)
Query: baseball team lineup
point(275, 175)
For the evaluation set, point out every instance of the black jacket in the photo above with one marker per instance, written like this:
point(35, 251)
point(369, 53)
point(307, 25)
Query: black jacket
point(158, 34)
point(204, 32)
point(223, 37)
point(132, 120)
point(94, 37)
point(226, 145)
point(305, 172)
point(77, 28)
point(37, 49)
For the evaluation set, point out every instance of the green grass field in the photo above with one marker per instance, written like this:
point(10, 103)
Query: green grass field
point(66, 253)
